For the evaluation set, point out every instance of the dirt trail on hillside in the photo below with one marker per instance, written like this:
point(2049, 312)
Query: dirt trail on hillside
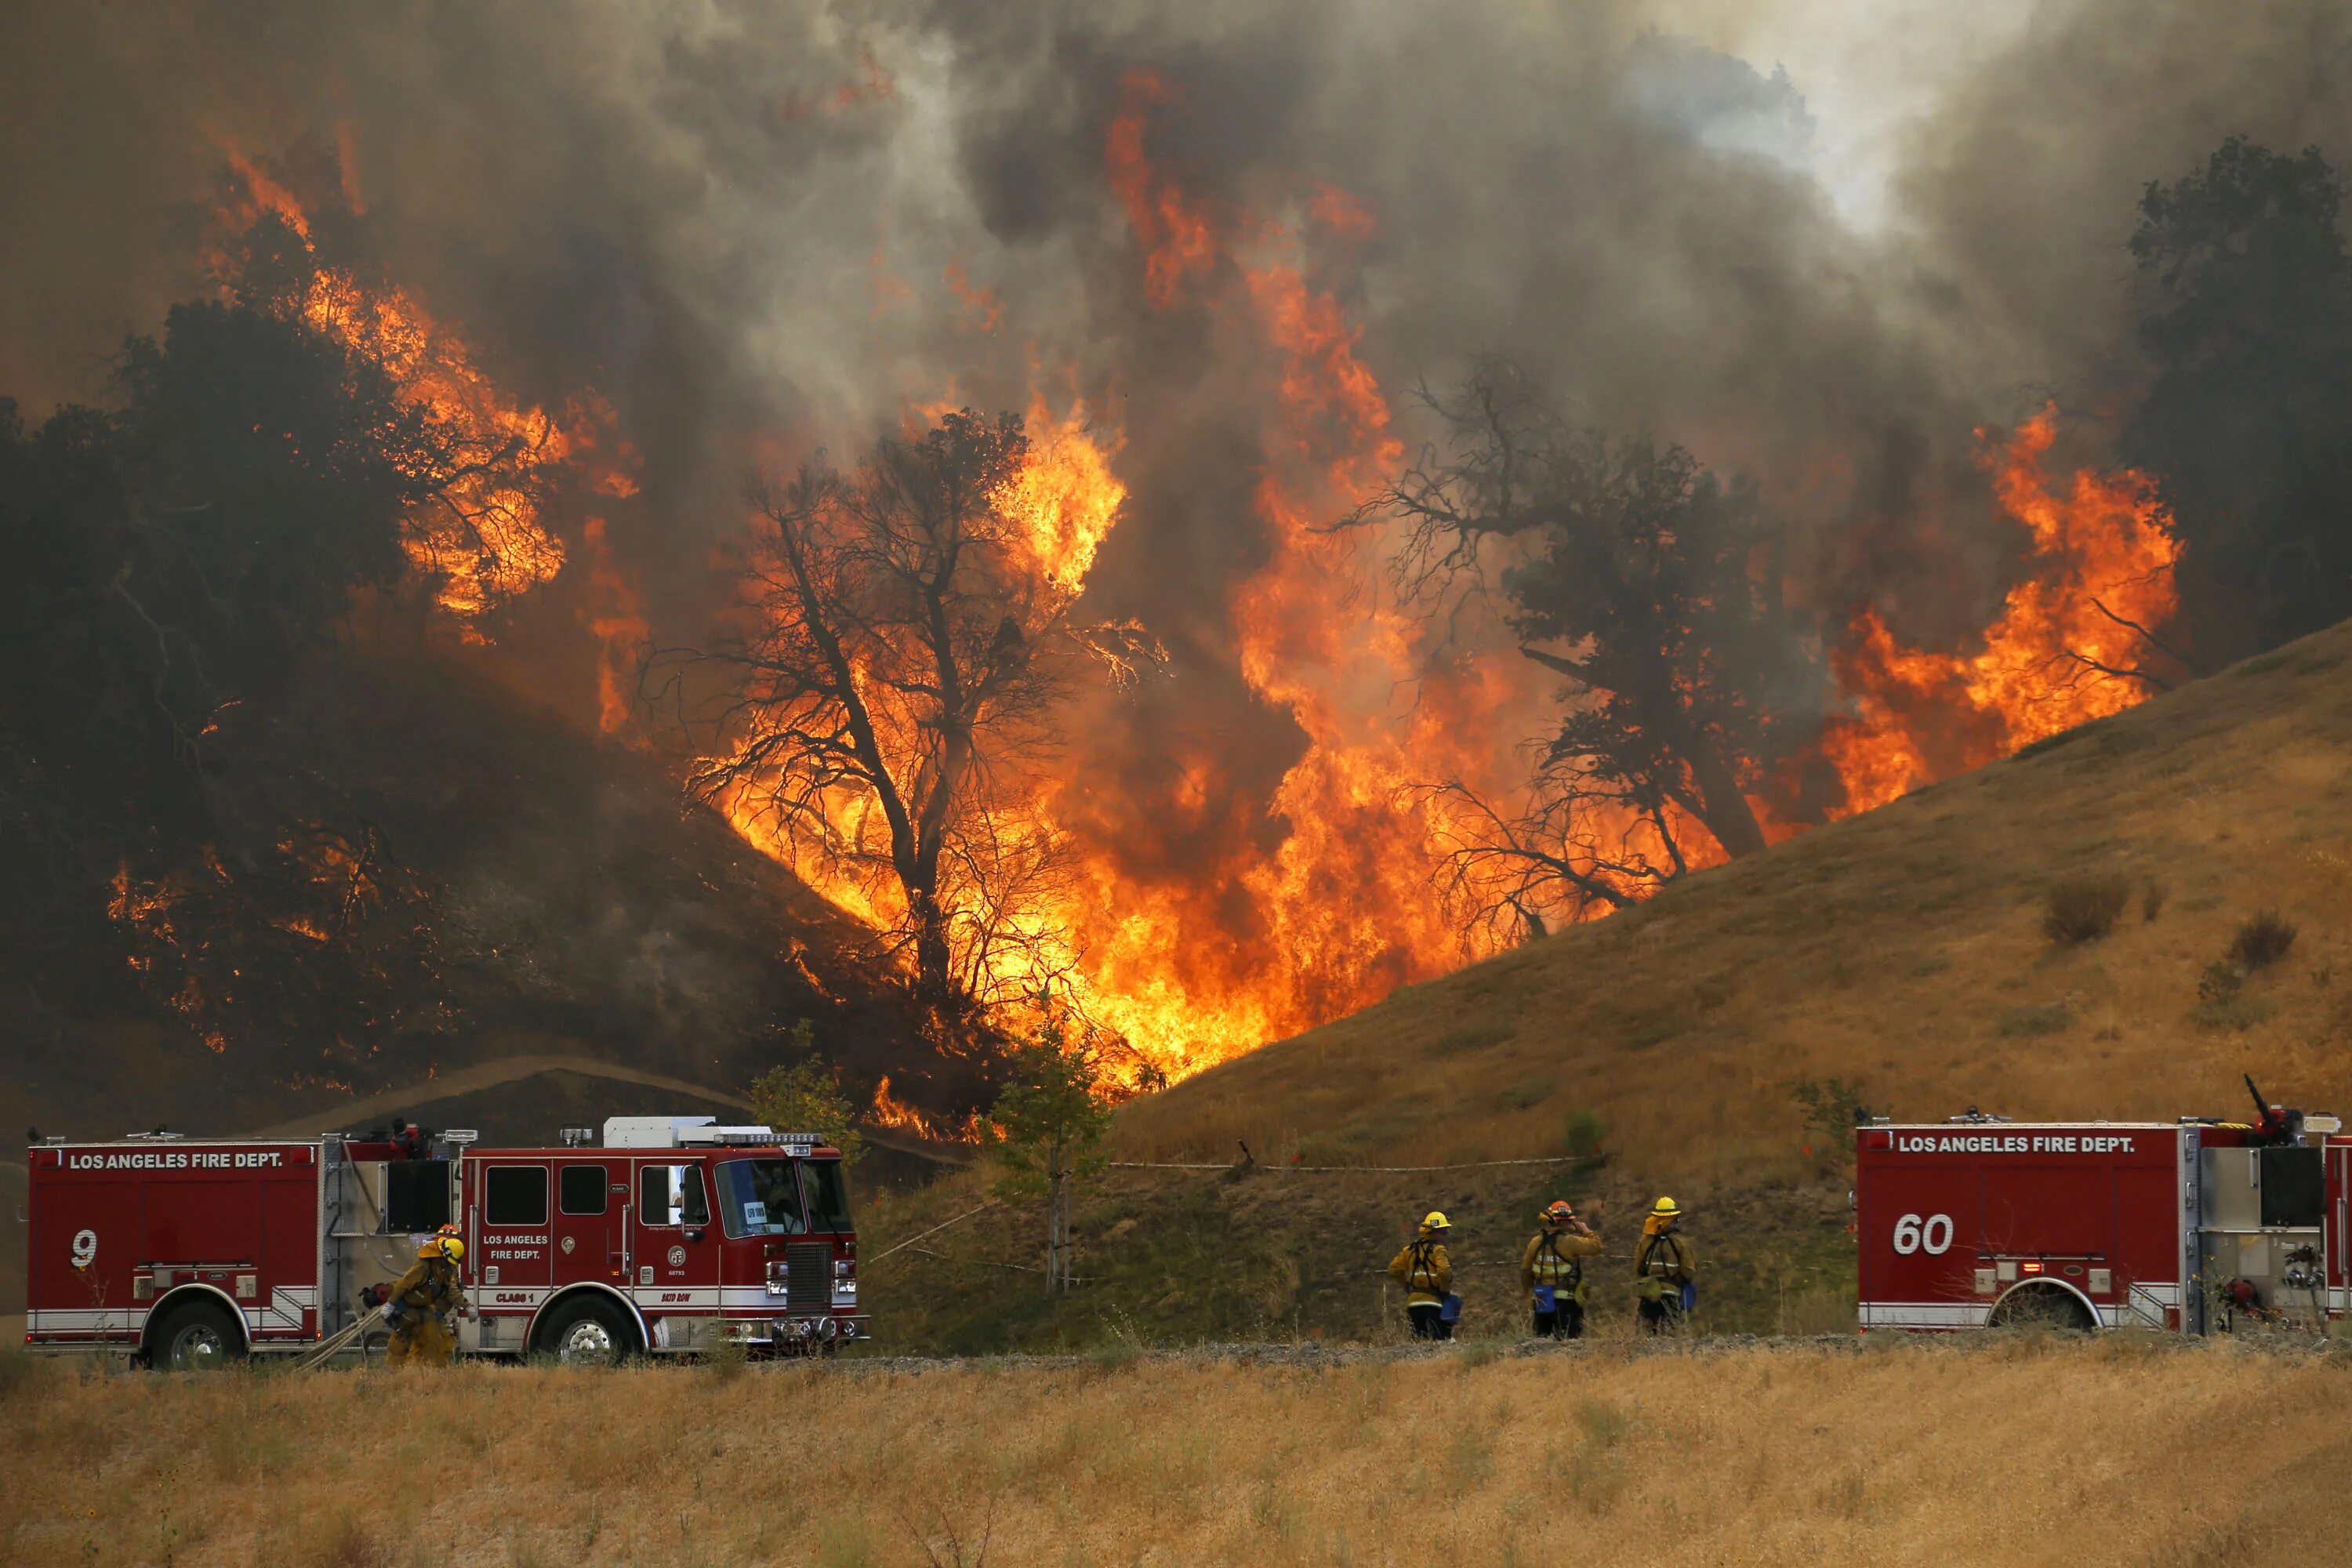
point(474, 1079)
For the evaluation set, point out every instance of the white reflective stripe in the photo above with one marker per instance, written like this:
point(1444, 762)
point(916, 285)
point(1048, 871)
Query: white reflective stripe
point(286, 1305)
point(677, 1296)
point(507, 1297)
point(1923, 1315)
point(79, 1321)
point(748, 1299)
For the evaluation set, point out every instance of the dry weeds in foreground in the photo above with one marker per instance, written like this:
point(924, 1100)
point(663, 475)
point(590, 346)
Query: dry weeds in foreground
point(2026, 1452)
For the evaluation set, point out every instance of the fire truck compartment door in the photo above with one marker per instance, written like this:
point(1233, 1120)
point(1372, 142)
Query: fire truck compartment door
point(2041, 1209)
point(415, 1195)
point(2339, 1215)
point(513, 1208)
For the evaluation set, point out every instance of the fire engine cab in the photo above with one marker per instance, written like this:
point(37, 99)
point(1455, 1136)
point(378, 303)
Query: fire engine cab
point(2192, 1226)
point(669, 1234)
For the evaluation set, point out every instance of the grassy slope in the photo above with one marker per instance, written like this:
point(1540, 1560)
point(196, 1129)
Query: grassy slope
point(1901, 951)
point(2024, 1452)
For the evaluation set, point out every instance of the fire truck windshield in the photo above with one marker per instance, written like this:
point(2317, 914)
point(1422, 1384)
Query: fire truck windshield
point(760, 1197)
point(828, 1201)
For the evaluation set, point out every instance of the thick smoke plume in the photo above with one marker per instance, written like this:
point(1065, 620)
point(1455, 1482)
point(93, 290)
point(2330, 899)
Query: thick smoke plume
point(756, 230)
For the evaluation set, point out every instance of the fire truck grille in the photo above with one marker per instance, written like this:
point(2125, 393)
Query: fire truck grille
point(808, 1279)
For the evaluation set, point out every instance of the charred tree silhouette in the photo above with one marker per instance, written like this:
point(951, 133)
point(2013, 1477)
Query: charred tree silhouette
point(910, 653)
point(174, 561)
point(1646, 583)
point(2246, 311)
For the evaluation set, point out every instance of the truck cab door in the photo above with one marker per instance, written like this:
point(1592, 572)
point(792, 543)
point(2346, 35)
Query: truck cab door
point(592, 1210)
point(511, 1244)
point(675, 1242)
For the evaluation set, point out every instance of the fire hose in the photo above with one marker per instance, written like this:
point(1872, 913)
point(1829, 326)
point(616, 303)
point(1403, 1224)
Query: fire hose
point(335, 1344)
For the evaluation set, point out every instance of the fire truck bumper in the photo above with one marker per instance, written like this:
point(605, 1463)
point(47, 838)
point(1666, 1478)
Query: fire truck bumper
point(806, 1331)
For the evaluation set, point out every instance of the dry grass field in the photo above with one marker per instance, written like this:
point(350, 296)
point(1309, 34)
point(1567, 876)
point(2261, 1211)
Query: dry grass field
point(1902, 952)
point(2022, 1452)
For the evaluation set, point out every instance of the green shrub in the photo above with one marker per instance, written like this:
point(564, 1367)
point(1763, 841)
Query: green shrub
point(1471, 1037)
point(2262, 940)
point(2031, 1022)
point(1830, 1107)
point(2084, 909)
point(1582, 1134)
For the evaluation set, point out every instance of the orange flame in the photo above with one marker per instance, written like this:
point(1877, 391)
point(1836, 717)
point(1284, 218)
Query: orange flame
point(2060, 655)
point(1175, 232)
point(1327, 905)
point(488, 544)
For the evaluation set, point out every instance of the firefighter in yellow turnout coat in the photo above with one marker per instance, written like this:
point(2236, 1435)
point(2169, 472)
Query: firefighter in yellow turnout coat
point(1551, 1271)
point(423, 1301)
point(1663, 1268)
point(1427, 1275)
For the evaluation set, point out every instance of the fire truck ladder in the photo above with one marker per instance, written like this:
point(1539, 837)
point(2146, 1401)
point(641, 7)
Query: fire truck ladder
point(336, 1344)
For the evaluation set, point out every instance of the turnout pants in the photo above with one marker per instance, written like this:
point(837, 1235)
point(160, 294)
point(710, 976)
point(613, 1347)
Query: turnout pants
point(1429, 1322)
point(1564, 1321)
point(420, 1340)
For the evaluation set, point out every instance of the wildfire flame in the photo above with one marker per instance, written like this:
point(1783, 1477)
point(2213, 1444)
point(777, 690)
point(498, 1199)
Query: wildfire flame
point(487, 542)
point(2071, 635)
point(1327, 903)
point(1196, 963)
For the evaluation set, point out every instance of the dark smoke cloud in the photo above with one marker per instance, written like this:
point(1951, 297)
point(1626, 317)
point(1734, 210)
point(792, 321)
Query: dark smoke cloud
point(737, 222)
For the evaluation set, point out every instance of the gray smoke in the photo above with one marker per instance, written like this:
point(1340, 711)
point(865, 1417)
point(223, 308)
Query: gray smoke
point(738, 221)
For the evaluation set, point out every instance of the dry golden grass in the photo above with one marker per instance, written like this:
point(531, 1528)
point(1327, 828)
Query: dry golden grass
point(2023, 1452)
point(1902, 950)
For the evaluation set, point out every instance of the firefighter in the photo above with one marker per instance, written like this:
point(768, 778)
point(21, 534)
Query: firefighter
point(424, 1302)
point(1663, 1269)
point(1427, 1275)
point(1552, 1271)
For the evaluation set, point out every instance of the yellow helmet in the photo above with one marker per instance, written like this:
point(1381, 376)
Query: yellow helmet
point(1664, 1207)
point(1434, 1220)
point(447, 1247)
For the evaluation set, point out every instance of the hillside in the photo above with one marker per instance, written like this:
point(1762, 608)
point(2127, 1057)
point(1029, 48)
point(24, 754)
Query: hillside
point(2023, 1452)
point(1666, 1048)
point(1901, 952)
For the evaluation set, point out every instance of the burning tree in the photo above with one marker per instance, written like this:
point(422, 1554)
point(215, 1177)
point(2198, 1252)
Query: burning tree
point(912, 643)
point(1647, 583)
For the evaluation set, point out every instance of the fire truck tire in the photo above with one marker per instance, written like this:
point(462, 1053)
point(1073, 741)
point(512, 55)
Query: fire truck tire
point(588, 1331)
point(196, 1335)
point(2042, 1306)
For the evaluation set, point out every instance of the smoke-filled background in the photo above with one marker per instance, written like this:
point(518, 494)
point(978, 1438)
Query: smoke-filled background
point(1826, 249)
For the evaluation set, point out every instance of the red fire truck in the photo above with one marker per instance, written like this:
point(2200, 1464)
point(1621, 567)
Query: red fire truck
point(667, 1236)
point(2191, 1226)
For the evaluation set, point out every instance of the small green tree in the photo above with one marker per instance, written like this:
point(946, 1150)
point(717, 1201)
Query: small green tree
point(806, 1095)
point(1048, 1127)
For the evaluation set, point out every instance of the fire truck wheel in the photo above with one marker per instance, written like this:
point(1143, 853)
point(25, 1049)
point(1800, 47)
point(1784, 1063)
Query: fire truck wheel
point(195, 1336)
point(588, 1331)
point(2042, 1306)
